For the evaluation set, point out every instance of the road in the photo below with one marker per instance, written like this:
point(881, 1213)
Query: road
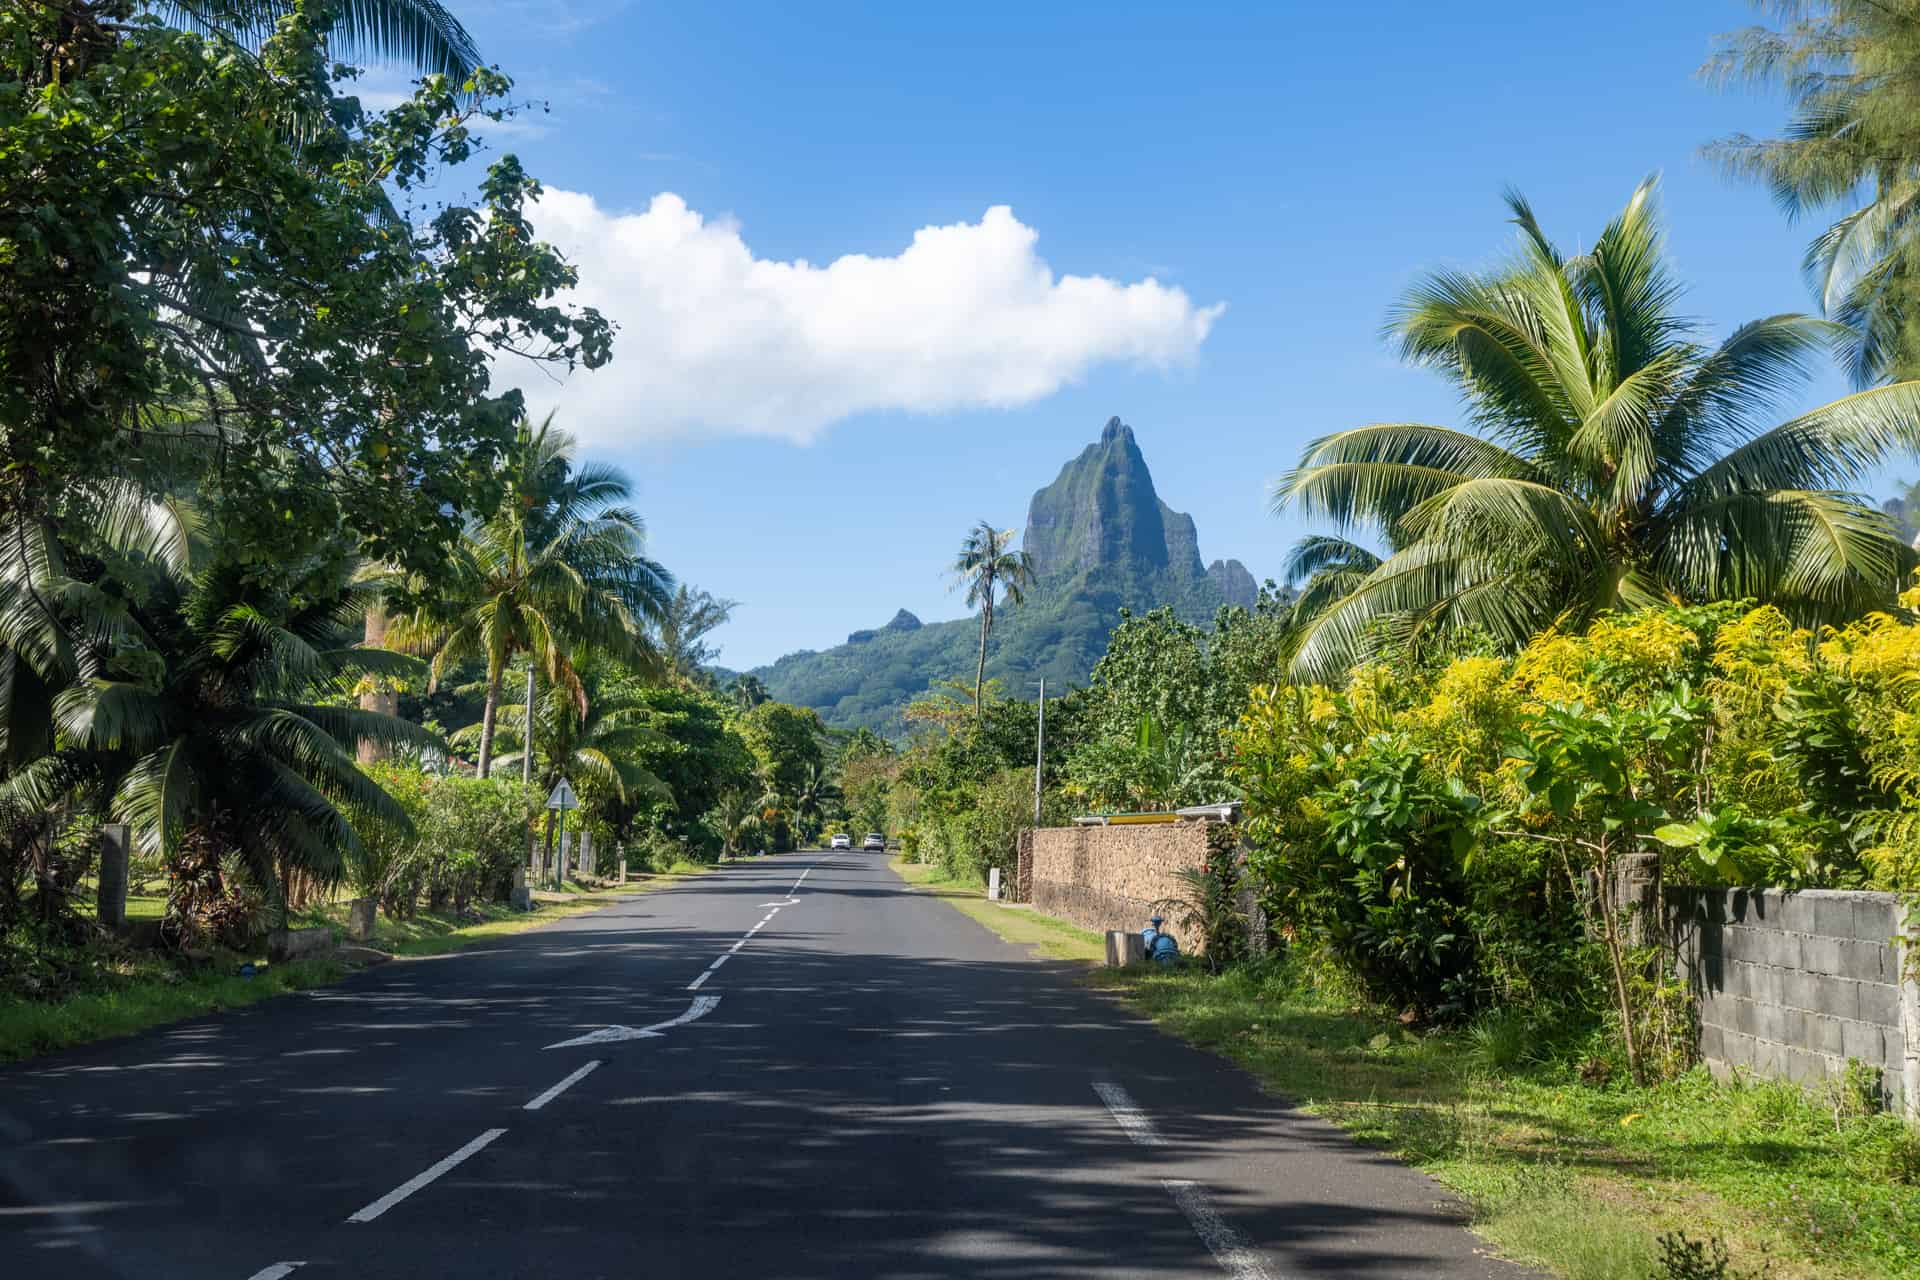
point(868, 1084)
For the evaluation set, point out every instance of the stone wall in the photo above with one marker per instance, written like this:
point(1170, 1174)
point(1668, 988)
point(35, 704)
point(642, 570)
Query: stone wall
point(1109, 877)
point(1795, 984)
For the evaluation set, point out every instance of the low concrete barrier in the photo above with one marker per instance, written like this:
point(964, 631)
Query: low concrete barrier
point(298, 944)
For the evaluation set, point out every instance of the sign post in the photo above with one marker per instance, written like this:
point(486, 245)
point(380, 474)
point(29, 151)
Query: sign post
point(560, 800)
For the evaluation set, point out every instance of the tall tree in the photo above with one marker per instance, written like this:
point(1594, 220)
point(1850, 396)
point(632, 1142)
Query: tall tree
point(988, 566)
point(560, 566)
point(1621, 462)
point(1851, 72)
point(681, 633)
point(208, 258)
point(748, 692)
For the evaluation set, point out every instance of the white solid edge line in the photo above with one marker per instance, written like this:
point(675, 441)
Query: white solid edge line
point(1222, 1241)
point(1136, 1123)
point(420, 1180)
point(562, 1087)
point(698, 982)
point(278, 1271)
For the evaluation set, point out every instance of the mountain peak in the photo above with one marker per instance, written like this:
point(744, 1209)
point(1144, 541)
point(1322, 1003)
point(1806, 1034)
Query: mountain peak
point(1101, 511)
point(1116, 430)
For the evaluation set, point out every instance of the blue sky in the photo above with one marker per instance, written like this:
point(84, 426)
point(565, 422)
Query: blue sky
point(1299, 165)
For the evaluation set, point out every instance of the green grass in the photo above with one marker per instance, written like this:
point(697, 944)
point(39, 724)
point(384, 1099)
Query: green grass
point(146, 994)
point(1580, 1179)
point(125, 991)
point(1050, 938)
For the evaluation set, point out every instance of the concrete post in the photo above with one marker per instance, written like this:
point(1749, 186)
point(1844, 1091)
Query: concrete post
point(993, 884)
point(116, 848)
point(360, 919)
point(623, 868)
point(587, 865)
point(521, 897)
point(1124, 948)
point(1906, 955)
point(1636, 897)
point(560, 862)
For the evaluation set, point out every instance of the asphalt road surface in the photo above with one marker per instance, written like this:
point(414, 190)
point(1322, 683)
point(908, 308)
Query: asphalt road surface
point(843, 1078)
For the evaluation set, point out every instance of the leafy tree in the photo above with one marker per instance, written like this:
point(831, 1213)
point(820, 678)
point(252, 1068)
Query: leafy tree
point(1847, 67)
point(988, 566)
point(693, 749)
point(1620, 465)
point(559, 566)
point(207, 263)
point(785, 741)
point(680, 633)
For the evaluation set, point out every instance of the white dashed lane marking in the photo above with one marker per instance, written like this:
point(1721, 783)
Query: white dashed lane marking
point(420, 1180)
point(563, 1086)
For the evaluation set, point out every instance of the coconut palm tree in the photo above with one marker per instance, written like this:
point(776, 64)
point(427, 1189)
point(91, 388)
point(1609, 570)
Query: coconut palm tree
point(423, 34)
point(987, 565)
point(594, 746)
point(748, 692)
point(1619, 462)
point(560, 566)
point(735, 813)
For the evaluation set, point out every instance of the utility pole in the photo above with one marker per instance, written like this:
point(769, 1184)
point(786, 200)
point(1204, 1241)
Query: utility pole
point(526, 779)
point(1039, 752)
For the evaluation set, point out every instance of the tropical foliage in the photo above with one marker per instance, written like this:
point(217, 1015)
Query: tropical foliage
point(559, 566)
point(989, 568)
point(1617, 462)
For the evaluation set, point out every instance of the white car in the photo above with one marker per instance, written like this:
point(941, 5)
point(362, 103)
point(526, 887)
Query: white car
point(874, 843)
point(840, 842)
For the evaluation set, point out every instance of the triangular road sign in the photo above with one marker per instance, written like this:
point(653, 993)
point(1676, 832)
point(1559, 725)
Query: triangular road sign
point(563, 797)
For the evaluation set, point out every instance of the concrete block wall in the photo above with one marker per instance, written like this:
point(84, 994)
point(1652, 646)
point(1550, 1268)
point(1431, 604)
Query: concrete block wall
point(1792, 985)
point(1109, 877)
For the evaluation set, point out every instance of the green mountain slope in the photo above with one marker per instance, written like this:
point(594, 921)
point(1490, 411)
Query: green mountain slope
point(1100, 538)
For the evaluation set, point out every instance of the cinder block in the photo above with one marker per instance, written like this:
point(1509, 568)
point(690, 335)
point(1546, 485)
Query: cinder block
point(1733, 978)
point(1801, 990)
point(1712, 1042)
point(1837, 996)
point(1823, 1034)
point(1736, 1049)
point(1780, 950)
point(1792, 1024)
point(1746, 1017)
point(1879, 1004)
point(1804, 1067)
point(1741, 903)
point(1866, 961)
point(1824, 955)
point(1876, 917)
point(1862, 1040)
point(1832, 914)
point(1767, 985)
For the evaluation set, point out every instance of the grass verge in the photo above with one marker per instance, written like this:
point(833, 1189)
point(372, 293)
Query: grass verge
point(127, 990)
point(147, 992)
point(1050, 938)
point(1580, 1179)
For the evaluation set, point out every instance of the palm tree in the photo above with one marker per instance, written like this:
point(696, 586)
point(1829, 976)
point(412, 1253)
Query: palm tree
point(817, 789)
point(736, 812)
point(595, 746)
point(218, 729)
point(748, 692)
point(420, 33)
point(1619, 462)
point(986, 565)
point(559, 567)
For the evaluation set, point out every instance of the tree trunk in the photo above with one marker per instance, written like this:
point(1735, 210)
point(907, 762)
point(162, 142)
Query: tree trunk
point(378, 699)
point(486, 723)
point(980, 672)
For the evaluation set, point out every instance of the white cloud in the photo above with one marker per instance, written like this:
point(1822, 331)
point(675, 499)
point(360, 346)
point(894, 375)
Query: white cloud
point(714, 340)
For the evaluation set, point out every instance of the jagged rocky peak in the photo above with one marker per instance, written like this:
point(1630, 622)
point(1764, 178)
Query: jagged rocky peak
point(1102, 510)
